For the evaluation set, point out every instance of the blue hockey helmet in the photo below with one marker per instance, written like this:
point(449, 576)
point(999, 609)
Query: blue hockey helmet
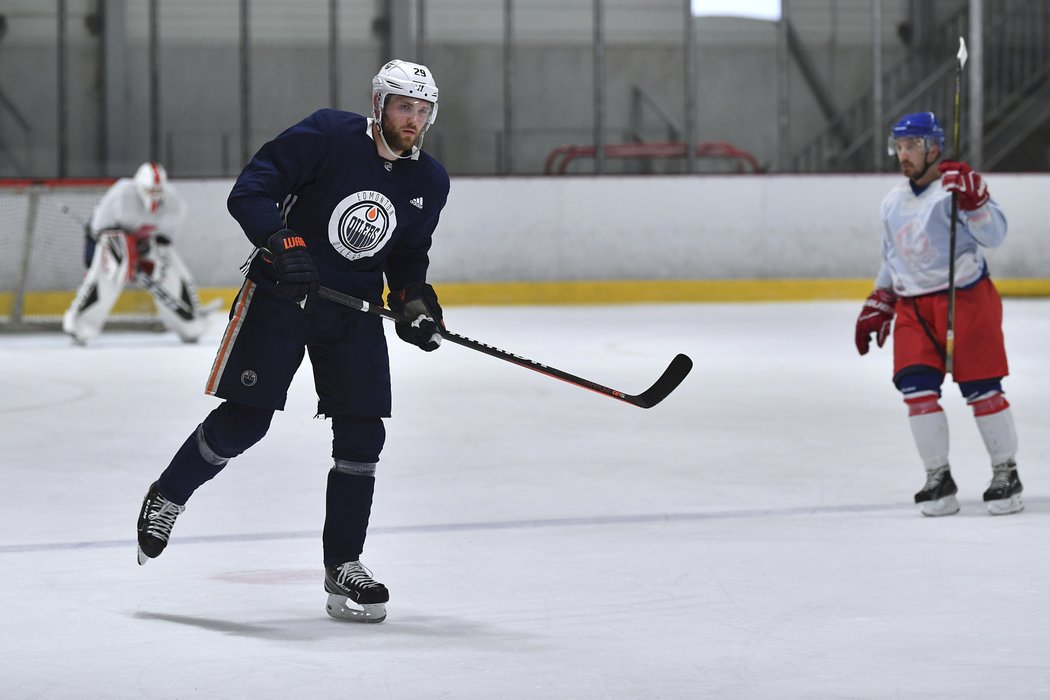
point(922, 125)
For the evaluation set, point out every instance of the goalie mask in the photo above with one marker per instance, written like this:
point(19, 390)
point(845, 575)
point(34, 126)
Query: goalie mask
point(410, 80)
point(150, 181)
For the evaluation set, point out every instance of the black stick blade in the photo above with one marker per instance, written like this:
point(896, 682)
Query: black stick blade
point(668, 382)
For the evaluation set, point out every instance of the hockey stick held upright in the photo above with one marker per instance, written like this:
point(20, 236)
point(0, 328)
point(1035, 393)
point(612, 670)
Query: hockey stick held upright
point(949, 341)
point(675, 373)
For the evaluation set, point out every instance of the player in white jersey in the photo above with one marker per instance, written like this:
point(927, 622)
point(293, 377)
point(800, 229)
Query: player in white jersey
point(912, 285)
point(129, 241)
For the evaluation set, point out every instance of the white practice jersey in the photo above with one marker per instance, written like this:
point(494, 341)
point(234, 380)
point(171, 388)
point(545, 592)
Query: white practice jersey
point(917, 236)
point(121, 207)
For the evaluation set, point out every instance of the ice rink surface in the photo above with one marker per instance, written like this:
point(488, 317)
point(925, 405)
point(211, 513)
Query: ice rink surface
point(753, 536)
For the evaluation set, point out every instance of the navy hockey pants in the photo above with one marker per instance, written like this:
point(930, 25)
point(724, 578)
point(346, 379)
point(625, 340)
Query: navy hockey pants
point(263, 346)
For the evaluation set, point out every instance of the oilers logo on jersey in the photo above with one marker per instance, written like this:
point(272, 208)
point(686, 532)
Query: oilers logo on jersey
point(361, 224)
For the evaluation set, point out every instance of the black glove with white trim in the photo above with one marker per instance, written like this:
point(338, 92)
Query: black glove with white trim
point(418, 301)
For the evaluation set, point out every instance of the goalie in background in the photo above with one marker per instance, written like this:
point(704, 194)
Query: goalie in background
point(128, 241)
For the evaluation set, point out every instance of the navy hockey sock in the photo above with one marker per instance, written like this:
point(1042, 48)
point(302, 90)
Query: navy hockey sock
point(228, 431)
point(194, 464)
point(348, 504)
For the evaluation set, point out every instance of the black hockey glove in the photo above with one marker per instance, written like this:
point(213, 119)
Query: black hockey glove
point(296, 274)
point(418, 301)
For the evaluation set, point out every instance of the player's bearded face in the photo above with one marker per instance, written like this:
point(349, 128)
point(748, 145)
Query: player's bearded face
point(404, 119)
point(911, 153)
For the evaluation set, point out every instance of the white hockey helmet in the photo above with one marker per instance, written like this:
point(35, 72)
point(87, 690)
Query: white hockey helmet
point(150, 181)
point(403, 78)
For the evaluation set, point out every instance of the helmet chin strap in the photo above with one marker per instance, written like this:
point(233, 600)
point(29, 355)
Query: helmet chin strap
point(382, 137)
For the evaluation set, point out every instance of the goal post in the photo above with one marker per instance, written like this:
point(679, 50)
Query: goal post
point(42, 253)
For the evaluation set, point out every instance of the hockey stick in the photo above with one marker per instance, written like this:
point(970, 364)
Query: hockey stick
point(159, 293)
point(949, 341)
point(668, 381)
point(65, 209)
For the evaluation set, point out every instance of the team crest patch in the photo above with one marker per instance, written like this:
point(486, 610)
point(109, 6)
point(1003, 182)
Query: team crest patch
point(248, 377)
point(361, 224)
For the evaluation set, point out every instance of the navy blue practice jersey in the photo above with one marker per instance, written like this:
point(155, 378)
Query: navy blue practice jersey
point(361, 216)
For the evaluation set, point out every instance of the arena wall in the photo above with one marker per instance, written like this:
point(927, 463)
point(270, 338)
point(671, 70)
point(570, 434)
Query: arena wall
point(654, 238)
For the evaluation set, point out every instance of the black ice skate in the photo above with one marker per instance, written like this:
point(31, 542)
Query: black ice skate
point(156, 519)
point(353, 582)
point(1003, 495)
point(937, 497)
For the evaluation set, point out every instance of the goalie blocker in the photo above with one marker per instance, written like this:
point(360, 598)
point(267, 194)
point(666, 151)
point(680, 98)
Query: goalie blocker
point(148, 261)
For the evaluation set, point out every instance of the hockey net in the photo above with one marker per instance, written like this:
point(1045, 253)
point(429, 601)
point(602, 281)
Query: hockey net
point(42, 254)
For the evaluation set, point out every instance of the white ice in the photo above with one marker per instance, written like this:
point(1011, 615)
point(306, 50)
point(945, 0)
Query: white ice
point(753, 536)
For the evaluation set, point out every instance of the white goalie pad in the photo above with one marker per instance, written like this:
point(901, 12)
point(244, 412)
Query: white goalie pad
point(103, 283)
point(165, 276)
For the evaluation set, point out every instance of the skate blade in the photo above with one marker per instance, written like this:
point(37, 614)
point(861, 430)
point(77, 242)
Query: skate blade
point(949, 505)
point(339, 609)
point(1006, 506)
point(142, 557)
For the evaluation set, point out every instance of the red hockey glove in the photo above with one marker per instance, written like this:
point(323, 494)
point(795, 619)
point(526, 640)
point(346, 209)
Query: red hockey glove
point(418, 301)
point(142, 232)
point(296, 274)
point(961, 178)
point(875, 317)
point(144, 240)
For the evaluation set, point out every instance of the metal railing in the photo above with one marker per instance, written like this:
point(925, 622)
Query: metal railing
point(903, 91)
point(735, 159)
point(1016, 69)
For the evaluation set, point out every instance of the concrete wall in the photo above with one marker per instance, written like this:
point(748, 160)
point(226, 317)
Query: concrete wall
point(650, 228)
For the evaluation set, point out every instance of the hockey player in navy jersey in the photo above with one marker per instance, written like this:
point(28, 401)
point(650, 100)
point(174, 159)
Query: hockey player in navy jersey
point(341, 201)
point(912, 285)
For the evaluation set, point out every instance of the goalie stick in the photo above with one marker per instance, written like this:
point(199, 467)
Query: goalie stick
point(187, 313)
point(668, 381)
point(142, 279)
